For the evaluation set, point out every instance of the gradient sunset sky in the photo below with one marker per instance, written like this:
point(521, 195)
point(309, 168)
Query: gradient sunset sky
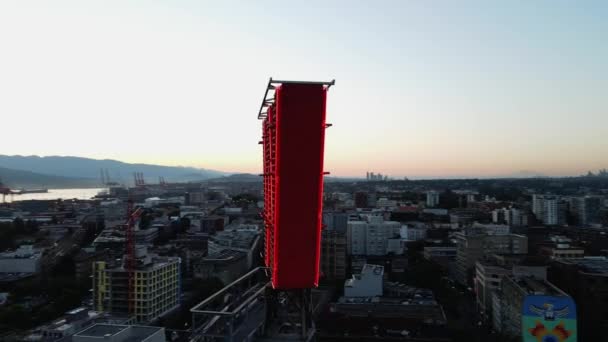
point(423, 88)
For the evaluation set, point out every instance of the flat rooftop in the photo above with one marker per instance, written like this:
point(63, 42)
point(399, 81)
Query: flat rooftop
point(226, 255)
point(597, 265)
point(134, 333)
point(101, 330)
point(534, 286)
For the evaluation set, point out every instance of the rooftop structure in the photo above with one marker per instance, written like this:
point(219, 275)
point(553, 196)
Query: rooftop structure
point(73, 321)
point(369, 283)
point(227, 265)
point(401, 311)
point(246, 241)
point(590, 265)
point(240, 240)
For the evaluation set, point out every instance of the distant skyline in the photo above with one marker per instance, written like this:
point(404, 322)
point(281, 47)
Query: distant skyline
point(423, 89)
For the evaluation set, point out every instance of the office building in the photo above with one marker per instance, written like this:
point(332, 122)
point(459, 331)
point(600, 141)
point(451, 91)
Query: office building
point(474, 246)
point(157, 286)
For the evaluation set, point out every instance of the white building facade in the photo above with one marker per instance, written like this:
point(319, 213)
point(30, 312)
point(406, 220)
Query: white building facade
point(370, 237)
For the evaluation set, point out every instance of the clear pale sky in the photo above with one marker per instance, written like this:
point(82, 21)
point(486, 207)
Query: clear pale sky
point(423, 88)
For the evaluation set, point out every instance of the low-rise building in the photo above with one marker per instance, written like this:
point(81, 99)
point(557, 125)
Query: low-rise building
point(120, 333)
point(389, 310)
point(246, 240)
point(561, 252)
point(26, 259)
point(227, 265)
point(62, 328)
point(369, 283)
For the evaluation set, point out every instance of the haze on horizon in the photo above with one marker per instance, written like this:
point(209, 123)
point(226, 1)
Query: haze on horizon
point(441, 89)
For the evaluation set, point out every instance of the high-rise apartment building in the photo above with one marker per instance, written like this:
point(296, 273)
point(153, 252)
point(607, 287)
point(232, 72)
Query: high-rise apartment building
point(157, 286)
point(586, 209)
point(370, 237)
point(510, 216)
point(537, 206)
point(432, 199)
point(333, 255)
point(549, 209)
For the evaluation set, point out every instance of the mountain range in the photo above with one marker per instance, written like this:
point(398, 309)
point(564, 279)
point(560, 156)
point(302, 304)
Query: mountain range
point(59, 171)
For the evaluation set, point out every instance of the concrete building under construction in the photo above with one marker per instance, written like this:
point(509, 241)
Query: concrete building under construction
point(156, 285)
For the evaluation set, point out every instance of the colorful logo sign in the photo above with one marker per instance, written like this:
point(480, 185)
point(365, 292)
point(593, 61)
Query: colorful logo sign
point(548, 319)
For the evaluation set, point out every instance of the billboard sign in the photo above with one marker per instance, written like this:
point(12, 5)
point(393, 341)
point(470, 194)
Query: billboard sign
point(548, 319)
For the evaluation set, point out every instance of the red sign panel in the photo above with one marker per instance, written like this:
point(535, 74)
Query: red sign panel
point(294, 137)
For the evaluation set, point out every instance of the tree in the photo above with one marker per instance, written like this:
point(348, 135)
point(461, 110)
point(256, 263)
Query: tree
point(15, 316)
